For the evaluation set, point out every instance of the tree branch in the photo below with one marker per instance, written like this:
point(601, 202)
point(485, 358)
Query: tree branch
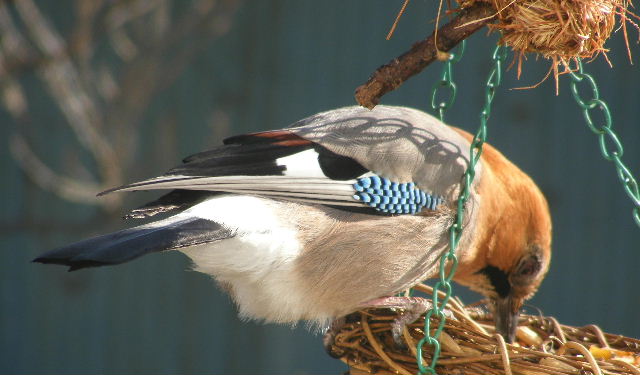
point(157, 67)
point(102, 101)
point(66, 87)
point(390, 76)
point(68, 188)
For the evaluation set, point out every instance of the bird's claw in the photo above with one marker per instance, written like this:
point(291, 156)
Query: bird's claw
point(413, 308)
point(329, 338)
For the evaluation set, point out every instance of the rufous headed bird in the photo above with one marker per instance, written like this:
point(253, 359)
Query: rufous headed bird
point(345, 207)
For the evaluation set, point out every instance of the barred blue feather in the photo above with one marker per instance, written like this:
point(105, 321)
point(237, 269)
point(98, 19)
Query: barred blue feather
point(390, 197)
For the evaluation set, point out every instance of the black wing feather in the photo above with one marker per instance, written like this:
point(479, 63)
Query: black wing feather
point(245, 155)
point(237, 159)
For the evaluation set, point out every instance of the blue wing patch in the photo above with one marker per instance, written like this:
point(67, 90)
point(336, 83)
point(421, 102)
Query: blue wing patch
point(392, 197)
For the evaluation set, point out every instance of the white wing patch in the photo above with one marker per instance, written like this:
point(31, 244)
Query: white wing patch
point(302, 164)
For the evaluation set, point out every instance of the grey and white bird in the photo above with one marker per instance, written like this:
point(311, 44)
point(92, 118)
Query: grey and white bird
point(337, 212)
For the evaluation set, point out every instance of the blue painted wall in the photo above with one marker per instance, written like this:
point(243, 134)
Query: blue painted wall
point(281, 61)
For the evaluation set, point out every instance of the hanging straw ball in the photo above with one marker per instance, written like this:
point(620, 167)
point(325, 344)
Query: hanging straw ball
point(558, 29)
point(469, 345)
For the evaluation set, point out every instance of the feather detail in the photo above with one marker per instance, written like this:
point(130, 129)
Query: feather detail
point(315, 164)
point(128, 244)
point(239, 182)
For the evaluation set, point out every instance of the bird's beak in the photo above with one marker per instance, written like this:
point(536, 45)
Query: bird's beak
point(506, 315)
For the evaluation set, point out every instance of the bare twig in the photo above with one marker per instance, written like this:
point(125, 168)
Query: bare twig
point(395, 23)
point(69, 188)
point(11, 92)
point(390, 76)
point(211, 25)
point(65, 84)
point(103, 101)
point(22, 57)
point(157, 67)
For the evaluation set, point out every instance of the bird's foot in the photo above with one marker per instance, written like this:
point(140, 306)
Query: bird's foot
point(329, 337)
point(413, 308)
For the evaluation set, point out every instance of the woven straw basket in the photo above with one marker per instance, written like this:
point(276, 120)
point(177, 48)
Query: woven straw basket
point(470, 346)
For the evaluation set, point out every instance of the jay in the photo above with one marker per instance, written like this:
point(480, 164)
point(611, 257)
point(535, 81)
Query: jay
point(342, 210)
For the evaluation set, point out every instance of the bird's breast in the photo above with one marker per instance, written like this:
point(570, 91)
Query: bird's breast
point(290, 261)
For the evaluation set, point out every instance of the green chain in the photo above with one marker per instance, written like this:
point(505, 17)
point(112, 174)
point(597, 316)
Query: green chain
point(455, 232)
point(446, 83)
point(606, 135)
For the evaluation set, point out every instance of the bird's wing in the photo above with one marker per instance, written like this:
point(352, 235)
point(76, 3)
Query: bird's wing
point(273, 164)
point(398, 143)
point(393, 160)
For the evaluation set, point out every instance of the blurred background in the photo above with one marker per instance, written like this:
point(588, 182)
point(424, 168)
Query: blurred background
point(97, 93)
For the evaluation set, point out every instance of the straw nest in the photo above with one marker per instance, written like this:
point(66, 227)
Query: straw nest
point(561, 30)
point(470, 346)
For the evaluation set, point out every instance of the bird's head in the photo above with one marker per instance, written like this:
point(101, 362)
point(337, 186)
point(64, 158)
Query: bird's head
point(512, 242)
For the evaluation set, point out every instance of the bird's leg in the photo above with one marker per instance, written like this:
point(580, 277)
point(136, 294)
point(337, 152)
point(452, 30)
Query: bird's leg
point(329, 337)
point(413, 308)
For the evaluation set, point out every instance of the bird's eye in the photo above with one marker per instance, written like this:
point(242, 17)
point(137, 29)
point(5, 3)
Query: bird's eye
point(527, 269)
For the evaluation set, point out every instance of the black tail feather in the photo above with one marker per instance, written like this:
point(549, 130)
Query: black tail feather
point(128, 244)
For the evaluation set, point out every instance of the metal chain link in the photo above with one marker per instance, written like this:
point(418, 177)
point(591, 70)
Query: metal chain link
point(446, 83)
point(455, 232)
point(610, 145)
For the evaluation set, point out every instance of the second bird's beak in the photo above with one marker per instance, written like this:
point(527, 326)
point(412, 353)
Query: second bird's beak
point(505, 315)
